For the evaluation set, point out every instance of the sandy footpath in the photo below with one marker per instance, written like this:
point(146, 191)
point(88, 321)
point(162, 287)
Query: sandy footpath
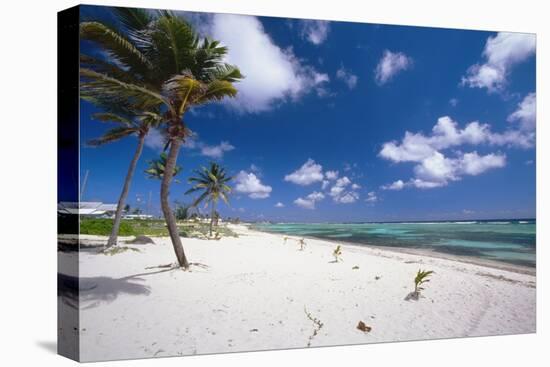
point(253, 292)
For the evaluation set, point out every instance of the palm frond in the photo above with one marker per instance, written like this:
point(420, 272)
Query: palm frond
point(96, 84)
point(116, 45)
point(113, 135)
point(173, 42)
point(112, 117)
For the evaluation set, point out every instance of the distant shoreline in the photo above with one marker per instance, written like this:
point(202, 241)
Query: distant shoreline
point(493, 264)
point(441, 221)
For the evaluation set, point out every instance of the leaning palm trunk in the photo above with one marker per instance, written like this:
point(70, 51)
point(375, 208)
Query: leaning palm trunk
point(166, 210)
point(124, 194)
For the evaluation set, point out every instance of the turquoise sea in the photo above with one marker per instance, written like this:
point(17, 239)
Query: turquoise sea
point(509, 241)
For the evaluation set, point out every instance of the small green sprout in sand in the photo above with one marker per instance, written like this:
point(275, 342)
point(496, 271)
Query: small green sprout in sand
point(285, 238)
point(302, 243)
point(337, 253)
point(420, 278)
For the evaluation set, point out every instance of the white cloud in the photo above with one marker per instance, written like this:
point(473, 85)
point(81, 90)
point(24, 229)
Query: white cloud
point(526, 113)
point(216, 151)
point(434, 169)
point(396, 186)
point(439, 171)
point(453, 102)
point(474, 164)
point(331, 175)
point(340, 192)
point(315, 31)
point(371, 197)
point(211, 151)
point(279, 205)
point(325, 184)
point(309, 201)
point(501, 53)
point(390, 64)
point(347, 77)
point(348, 198)
point(309, 173)
point(250, 184)
point(415, 147)
point(155, 140)
point(272, 75)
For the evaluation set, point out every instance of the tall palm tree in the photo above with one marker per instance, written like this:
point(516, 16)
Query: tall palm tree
point(138, 126)
point(212, 181)
point(157, 62)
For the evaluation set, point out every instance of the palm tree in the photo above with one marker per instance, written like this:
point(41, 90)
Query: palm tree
point(212, 181)
point(157, 167)
point(157, 62)
point(138, 126)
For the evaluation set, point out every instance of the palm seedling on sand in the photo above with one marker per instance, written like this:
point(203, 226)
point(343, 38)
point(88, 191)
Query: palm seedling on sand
point(156, 61)
point(421, 278)
point(302, 244)
point(337, 253)
point(213, 182)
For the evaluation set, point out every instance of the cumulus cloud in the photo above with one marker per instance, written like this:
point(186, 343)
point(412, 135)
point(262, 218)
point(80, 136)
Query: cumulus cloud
point(309, 173)
point(396, 186)
point(279, 205)
point(501, 53)
point(371, 197)
point(434, 169)
point(155, 140)
point(331, 175)
point(248, 183)
point(439, 170)
point(216, 151)
point(309, 201)
point(391, 64)
point(315, 31)
point(526, 113)
point(212, 151)
point(344, 191)
point(347, 77)
point(272, 75)
point(415, 147)
point(348, 198)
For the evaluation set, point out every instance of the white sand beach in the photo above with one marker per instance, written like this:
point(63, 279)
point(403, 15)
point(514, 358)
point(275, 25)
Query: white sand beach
point(253, 292)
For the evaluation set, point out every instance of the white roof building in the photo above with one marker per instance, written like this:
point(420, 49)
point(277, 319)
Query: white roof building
point(94, 208)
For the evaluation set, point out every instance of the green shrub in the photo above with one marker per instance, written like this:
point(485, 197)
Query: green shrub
point(103, 227)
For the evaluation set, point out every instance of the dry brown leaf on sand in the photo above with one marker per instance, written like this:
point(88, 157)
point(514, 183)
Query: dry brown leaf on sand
point(363, 327)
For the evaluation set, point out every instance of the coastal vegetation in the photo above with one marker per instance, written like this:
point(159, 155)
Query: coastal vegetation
point(212, 182)
point(337, 253)
point(156, 63)
point(131, 122)
point(420, 278)
point(157, 167)
point(151, 227)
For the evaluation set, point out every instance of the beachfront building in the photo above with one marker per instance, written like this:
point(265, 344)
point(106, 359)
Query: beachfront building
point(86, 208)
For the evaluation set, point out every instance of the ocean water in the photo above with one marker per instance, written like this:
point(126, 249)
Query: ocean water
point(509, 241)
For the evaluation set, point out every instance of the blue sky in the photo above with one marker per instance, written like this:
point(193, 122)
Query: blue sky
point(341, 121)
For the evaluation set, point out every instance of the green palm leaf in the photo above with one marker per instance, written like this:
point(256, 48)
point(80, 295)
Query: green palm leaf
point(116, 44)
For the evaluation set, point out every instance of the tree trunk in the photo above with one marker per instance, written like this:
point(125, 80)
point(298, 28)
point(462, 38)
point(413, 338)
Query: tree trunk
point(123, 195)
point(213, 210)
point(166, 210)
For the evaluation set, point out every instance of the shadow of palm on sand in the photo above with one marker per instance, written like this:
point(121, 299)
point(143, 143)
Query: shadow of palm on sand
point(91, 291)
